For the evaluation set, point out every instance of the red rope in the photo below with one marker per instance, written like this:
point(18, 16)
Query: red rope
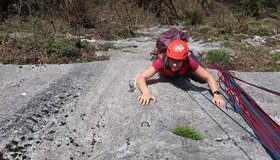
point(267, 130)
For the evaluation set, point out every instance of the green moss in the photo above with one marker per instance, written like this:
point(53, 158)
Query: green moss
point(187, 132)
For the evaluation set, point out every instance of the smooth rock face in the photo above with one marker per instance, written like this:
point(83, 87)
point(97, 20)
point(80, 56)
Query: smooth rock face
point(90, 111)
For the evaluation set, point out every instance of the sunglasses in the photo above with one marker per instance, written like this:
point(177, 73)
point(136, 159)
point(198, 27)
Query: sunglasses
point(175, 61)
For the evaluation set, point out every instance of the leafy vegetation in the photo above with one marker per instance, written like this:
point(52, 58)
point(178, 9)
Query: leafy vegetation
point(273, 64)
point(64, 47)
point(39, 32)
point(228, 44)
point(30, 50)
point(218, 56)
point(187, 132)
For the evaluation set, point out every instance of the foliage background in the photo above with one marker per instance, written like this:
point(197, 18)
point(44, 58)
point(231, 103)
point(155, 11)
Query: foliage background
point(32, 31)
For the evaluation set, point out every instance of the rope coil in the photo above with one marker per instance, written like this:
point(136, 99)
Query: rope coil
point(267, 130)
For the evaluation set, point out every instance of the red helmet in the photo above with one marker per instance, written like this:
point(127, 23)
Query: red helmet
point(178, 49)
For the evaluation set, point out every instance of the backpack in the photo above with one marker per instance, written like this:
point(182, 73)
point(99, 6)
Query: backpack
point(163, 41)
point(166, 37)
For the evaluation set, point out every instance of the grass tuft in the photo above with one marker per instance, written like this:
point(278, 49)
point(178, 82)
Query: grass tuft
point(218, 56)
point(187, 132)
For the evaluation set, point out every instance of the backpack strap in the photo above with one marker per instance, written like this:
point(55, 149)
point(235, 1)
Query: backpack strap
point(165, 61)
point(190, 67)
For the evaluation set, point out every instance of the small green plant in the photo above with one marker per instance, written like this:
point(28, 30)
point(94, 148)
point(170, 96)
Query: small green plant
point(265, 31)
point(84, 45)
point(227, 36)
point(204, 29)
point(250, 48)
point(228, 44)
point(273, 64)
point(218, 55)
point(187, 132)
point(64, 47)
point(5, 60)
point(111, 46)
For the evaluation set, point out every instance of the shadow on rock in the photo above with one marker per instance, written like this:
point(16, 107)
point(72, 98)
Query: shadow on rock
point(183, 83)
